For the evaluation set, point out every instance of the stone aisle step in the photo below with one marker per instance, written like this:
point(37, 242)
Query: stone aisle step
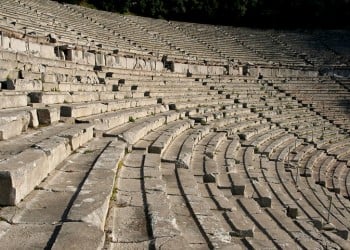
point(127, 225)
point(141, 216)
point(182, 183)
point(42, 215)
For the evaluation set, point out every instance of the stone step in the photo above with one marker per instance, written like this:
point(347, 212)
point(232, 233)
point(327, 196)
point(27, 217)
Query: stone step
point(23, 85)
point(109, 120)
point(127, 219)
point(79, 110)
point(13, 100)
point(48, 205)
point(15, 121)
point(167, 136)
point(92, 203)
point(20, 173)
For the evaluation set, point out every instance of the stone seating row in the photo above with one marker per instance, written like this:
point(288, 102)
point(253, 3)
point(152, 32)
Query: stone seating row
point(24, 170)
point(183, 40)
point(185, 159)
point(249, 164)
point(333, 93)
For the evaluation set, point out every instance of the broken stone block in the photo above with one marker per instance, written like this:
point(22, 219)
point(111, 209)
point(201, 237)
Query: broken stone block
point(20, 174)
point(209, 178)
point(292, 212)
point(24, 85)
point(48, 116)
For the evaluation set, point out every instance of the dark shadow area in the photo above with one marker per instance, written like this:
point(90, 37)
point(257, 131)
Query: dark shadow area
point(254, 13)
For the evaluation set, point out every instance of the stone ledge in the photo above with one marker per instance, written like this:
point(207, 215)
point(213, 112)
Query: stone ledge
point(21, 173)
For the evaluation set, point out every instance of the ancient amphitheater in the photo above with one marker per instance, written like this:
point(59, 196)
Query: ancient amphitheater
point(123, 132)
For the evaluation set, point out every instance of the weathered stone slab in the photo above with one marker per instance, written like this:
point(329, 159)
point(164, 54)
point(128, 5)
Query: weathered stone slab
point(241, 226)
point(13, 101)
point(24, 85)
point(152, 161)
point(238, 185)
point(48, 97)
point(42, 207)
point(11, 128)
point(49, 115)
point(20, 174)
point(56, 149)
point(13, 123)
point(79, 235)
point(144, 245)
point(18, 45)
point(26, 236)
point(78, 135)
point(129, 225)
point(92, 203)
point(81, 110)
point(136, 133)
point(163, 141)
point(163, 221)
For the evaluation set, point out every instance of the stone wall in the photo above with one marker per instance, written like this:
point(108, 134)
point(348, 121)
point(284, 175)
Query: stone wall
point(281, 72)
point(78, 55)
point(184, 68)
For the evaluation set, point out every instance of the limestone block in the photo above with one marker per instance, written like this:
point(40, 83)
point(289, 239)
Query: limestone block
point(10, 129)
point(78, 135)
point(34, 121)
point(233, 70)
point(77, 111)
point(159, 66)
point(100, 59)
point(91, 205)
point(24, 85)
point(121, 62)
point(111, 156)
point(181, 68)
point(83, 97)
point(13, 101)
point(241, 226)
point(239, 185)
point(209, 178)
point(47, 51)
point(20, 174)
point(29, 75)
point(183, 161)
point(49, 77)
point(34, 48)
point(198, 69)
point(110, 61)
point(47, 97)
point(216, 70)
point(18, 45)
point(89, 58)
point(129, 224)
point(130, 63)
point(79, 235)
point(5, 42)
point(106, 96)
point(111, 121)
point(3, 74)
point(75, 55)
point(117, 105)
point(49, 115)
point(57, 149)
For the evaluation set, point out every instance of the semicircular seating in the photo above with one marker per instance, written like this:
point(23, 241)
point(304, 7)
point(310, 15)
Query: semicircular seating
point(126, 132)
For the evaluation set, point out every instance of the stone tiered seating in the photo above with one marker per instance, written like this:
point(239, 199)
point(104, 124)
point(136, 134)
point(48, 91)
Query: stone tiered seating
point(125, 132)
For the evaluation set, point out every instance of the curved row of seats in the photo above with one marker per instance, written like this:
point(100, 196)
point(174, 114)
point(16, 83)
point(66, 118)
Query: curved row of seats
point(99, 157)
